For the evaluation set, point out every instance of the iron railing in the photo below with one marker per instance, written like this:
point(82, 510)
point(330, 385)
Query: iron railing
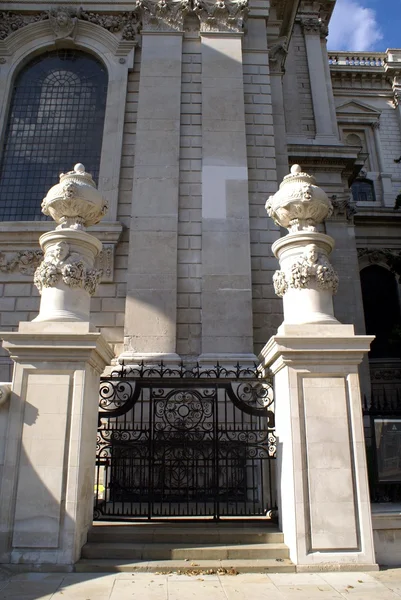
point(185, 442)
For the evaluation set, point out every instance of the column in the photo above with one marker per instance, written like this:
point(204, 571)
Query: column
point(313, 29)
point(151, 304)
point(226, 264)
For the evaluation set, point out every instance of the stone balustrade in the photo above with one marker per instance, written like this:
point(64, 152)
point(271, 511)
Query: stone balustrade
point(360, 59)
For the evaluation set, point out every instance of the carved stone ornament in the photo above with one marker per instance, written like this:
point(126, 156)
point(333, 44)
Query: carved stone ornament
point(24, 262)
point(277, 55)
point(75, 202)
point(163, 15)
point(11, 21)
point(221, 15)
point(127, 23)
point(63, 21)
point(311, 266)
point(343, 207)
point(299, 205)
point(315, 25)
point(61, 265)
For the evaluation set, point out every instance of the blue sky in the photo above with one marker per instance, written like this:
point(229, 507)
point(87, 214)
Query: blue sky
point(365, 25)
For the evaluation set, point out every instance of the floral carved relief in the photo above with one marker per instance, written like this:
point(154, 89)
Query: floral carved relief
point(62, 265)
point(311, 266)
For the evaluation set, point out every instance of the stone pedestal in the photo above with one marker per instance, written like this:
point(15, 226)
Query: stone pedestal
point(323, 493)
point(69, 257)
point(46, 497)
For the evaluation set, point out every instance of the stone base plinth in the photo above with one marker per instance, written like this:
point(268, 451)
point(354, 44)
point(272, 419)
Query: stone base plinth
point(323, 493)
point(46, 497)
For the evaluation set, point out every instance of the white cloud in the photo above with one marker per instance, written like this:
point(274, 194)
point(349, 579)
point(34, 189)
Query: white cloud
point(353, 27)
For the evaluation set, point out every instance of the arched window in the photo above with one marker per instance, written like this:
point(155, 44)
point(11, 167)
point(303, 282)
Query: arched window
point(56, 119)
point(363, 190)
point(382, 311)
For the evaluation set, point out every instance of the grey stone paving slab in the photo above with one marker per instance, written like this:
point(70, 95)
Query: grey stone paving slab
point(384, 585)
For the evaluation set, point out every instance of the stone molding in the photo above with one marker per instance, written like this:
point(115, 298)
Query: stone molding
point(62, 265)
point(311, 266)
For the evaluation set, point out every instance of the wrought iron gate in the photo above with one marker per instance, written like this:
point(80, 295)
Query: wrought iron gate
point(185, 442)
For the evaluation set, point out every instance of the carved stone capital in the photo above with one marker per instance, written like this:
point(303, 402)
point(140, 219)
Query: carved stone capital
point(311, 266)
point(343, 208)
point(163, 15)
point(60, 265)
point(221, 15)
point(277, 55)
point(312, 25)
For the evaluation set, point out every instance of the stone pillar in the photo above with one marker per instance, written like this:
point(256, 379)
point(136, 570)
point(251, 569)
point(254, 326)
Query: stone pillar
point(226, 263)
point(313, 28)
point(46, 494)
point(46, 497)
point(386, 178)
point(323, 490)
point(151, 305)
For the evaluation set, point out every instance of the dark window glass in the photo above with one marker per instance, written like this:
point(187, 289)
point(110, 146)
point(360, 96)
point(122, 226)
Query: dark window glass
point(363, 190)
point(56, 120)
point(382, 311)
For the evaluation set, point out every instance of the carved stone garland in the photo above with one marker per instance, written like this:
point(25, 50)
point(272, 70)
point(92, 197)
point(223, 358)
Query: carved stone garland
point(60, 264)
point(312, 265)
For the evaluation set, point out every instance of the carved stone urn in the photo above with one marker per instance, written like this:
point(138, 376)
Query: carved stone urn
point(74, 202)
point(306, 280)
point(66, 278)
point(299, 205)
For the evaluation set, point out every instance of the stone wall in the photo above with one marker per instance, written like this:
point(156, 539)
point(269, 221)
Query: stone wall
point(190, 203)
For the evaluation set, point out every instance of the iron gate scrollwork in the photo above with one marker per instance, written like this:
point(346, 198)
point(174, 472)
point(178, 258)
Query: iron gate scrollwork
point(185, 442)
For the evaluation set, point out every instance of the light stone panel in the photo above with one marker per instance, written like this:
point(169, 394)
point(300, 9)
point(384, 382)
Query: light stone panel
point(226, 267)
point(41, 474)
point(332, 515)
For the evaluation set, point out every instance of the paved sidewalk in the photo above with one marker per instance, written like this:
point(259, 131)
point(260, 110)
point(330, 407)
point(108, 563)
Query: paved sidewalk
point(383, 585)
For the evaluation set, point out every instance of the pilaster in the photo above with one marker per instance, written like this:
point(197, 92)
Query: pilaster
point(314, 29)
point(151, 304)
point(226, 263)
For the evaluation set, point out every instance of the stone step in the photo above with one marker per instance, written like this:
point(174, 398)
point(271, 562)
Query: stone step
point(208, 534)
point(169, 551)
point(200, 567)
